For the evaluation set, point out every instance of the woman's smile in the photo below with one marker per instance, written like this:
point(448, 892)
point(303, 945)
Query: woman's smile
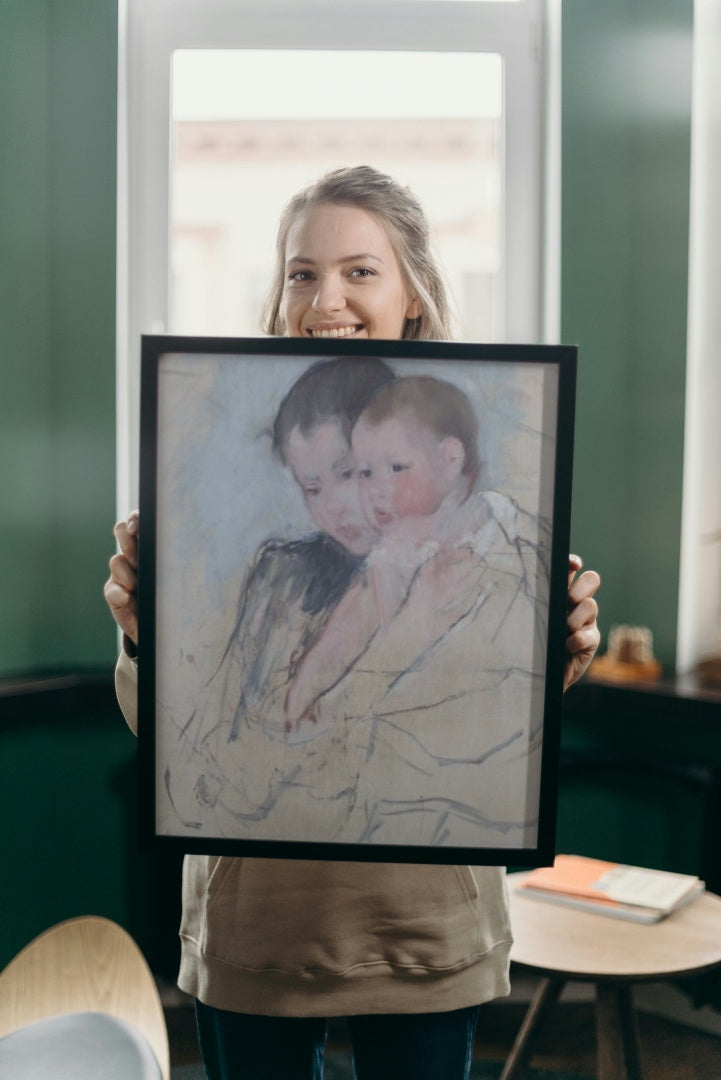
point(335, 331)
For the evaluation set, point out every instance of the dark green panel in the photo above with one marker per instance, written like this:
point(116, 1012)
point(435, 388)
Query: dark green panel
point(63, 796)
point(68, 800)
point(626, 147)
point(628, 817)
point(641, 777)
point(82, 270)
point(58, 80)
point(26, 523)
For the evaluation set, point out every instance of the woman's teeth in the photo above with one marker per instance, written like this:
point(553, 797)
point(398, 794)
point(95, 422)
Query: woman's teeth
point(336, 332)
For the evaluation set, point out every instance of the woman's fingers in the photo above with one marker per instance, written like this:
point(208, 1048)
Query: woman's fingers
point(575, 562)
point(582, 611)
point(121, 587)
point(123, 572)
point(123, 607)
point(126, 534)
point(582, 633)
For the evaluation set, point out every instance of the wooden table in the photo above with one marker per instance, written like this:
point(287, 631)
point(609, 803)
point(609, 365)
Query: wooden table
point(563, 944)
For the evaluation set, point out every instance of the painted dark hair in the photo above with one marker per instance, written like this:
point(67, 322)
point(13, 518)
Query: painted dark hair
point(337, 389)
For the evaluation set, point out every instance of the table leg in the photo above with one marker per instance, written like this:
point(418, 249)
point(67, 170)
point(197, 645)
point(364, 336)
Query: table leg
point(545, 997)
point(617, 1033)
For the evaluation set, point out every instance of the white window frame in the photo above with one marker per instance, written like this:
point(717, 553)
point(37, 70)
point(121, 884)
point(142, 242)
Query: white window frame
point(699, 597)
point(526, 34)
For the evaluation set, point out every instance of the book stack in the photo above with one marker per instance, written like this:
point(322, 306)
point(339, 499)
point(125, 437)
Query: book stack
point(608, 888)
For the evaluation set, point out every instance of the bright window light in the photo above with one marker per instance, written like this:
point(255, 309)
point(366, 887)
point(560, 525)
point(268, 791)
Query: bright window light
point(251, 127)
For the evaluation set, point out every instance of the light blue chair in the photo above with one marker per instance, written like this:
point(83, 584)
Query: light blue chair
point(79, 1002)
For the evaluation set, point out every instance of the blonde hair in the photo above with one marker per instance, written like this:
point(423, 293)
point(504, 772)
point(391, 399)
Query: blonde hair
point(402, 216)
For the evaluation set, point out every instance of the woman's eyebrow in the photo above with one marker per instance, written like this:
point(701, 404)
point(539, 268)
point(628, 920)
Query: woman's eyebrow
point(363, 256)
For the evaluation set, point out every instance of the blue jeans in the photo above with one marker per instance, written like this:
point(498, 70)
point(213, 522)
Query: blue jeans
point(415, 1046)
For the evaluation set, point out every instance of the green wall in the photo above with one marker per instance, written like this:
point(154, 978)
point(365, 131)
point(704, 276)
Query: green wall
point(68, 804)
point(67, 775)
point(58, 72)
point(626, 137)
point(68, 779)
point(625, 200)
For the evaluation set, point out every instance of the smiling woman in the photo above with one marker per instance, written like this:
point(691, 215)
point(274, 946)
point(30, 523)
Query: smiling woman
point(353, 259)
point(332, 289)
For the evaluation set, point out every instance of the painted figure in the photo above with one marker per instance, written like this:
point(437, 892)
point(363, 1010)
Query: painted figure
point(416, 458)
point(409, 632)
point(231, 761)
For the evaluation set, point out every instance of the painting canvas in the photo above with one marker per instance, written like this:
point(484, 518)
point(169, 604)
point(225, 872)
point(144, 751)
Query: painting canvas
point(352, 597)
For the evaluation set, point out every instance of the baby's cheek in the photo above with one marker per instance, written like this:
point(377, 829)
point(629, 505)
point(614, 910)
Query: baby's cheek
point(414, 496)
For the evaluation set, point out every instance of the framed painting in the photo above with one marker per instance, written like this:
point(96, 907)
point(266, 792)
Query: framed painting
point(352, 597)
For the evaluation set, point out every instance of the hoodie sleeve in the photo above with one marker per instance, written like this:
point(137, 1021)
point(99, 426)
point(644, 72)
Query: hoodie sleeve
point(126, 688)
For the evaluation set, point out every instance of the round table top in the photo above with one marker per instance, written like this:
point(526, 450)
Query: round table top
point(559, 940)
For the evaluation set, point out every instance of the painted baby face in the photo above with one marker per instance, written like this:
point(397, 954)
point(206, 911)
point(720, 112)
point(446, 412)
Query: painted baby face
point(404, 469)
point(322, 464)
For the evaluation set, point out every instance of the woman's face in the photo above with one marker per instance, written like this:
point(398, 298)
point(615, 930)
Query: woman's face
point(342, 277)
point(322, 465)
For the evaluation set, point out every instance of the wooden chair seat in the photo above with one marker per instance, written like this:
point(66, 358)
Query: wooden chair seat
point(86, 965)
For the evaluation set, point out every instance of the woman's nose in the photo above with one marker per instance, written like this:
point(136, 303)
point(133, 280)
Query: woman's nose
point(329, 295)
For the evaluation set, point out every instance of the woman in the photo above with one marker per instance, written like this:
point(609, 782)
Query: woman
point(272, 948)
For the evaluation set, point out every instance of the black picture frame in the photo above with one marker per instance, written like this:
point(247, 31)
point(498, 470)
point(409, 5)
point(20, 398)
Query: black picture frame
point(439, 742)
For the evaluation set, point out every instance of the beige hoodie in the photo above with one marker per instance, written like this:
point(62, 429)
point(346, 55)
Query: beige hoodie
point(297, 938)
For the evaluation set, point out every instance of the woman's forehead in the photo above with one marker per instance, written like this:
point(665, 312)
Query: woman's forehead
point(336, 230)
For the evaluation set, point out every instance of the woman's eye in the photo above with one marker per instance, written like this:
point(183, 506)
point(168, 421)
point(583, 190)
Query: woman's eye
point(397, 467)
point(300, 276)
point(362, 272)
point(347, 474)
point(310, 492)
point(364, 473)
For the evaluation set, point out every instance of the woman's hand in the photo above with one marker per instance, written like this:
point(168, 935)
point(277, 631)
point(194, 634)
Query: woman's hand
point(583, 635)
point(121, 587)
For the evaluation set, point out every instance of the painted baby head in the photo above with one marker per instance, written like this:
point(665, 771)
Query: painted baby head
point(311, 434)
point(414, 447)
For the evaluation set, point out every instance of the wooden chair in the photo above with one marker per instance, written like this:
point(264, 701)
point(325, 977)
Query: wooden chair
point(80, 975)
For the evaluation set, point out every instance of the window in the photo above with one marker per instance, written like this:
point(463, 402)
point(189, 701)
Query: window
point(227, 107)
point(235, 161)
